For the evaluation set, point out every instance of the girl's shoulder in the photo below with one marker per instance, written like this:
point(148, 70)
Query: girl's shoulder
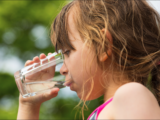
point(133, 100)
point(132, 89)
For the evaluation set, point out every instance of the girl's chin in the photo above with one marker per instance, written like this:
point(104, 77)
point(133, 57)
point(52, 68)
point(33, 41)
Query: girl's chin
point(83, 98)
point(91, 97)
point(72, 87)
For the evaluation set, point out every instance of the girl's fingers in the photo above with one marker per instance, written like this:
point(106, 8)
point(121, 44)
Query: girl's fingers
point(29, 62)
point(42, 56)
point(51, 58)
point(49, 53)
point(53, 93)
point(49, 94)
point(36, 59)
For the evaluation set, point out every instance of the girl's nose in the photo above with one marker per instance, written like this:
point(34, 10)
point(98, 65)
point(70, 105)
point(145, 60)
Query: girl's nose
point(64, 70)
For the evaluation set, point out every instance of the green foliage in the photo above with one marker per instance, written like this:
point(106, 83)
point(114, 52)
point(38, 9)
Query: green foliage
point(8, 114)
point(8, 85)
point(19, 18)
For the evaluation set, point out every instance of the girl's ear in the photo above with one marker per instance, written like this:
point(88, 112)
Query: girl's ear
point(108, 35)
point(105, 55)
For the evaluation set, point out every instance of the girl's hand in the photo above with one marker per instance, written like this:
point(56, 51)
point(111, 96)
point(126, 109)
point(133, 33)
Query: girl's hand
point(29, 107)
point(42, 74)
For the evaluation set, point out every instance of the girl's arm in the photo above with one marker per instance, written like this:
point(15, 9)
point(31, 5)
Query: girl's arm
point(29, 107)
point(28, 111)
point(134, 101)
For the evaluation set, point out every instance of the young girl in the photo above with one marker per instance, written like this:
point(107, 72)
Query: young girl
point(111, 48)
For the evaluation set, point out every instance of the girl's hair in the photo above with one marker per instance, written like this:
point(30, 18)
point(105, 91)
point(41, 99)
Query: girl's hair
point(135, 30)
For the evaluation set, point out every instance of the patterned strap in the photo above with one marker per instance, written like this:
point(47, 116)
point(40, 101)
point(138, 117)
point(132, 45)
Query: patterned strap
point(95, 113)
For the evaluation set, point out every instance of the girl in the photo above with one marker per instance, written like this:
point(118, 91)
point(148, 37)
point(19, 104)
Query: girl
point(111, 48)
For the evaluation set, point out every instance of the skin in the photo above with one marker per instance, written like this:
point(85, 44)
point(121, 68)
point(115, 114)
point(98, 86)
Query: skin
point(131, 100)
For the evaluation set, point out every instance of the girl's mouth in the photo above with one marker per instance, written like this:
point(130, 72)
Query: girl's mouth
point(68, 83)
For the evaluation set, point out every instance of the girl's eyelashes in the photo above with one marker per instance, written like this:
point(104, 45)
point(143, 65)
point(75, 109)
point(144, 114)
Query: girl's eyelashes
point(67, 52)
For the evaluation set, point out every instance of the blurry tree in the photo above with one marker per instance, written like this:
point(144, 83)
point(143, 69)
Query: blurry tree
point(8, 85)
point(25, 25)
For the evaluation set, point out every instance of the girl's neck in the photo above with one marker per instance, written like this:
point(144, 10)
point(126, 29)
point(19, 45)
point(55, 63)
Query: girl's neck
point(115, 80)
point(111, 89)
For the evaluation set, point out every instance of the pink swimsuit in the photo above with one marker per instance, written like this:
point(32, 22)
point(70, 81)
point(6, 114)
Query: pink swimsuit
point(95, 113)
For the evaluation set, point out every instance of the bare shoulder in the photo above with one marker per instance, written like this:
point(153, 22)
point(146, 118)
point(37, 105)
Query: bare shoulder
point(135, 101)
point(131, 89)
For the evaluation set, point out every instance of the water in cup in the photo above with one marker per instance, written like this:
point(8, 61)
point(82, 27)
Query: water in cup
point(40, 77)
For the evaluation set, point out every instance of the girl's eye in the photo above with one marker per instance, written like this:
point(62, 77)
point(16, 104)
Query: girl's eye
point(67, 52)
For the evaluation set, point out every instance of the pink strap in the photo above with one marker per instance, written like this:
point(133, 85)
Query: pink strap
point(100, 108)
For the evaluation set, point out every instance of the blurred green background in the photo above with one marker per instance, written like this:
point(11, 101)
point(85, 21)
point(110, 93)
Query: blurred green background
point(24, 33)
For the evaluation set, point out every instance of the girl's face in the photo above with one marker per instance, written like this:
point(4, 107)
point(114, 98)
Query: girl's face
point(80, 65)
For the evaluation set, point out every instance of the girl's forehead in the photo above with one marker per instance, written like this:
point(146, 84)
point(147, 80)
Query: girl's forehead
point(73, 33)
point(72, 30)
point(64, 29)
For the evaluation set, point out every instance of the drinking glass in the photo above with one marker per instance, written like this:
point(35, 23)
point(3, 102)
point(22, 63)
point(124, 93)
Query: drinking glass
point(40, 77)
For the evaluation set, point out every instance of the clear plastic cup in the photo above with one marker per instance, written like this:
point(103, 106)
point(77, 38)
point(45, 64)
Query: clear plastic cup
point(40, 77)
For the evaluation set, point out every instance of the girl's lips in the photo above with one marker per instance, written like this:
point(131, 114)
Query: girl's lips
point(68, 83)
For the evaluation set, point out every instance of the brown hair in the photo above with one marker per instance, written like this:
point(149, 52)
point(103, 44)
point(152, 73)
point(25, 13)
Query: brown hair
point(135, 30)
